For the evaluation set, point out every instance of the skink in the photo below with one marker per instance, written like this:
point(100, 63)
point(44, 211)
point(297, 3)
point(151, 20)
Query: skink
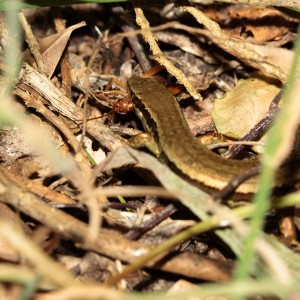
point(161, 116)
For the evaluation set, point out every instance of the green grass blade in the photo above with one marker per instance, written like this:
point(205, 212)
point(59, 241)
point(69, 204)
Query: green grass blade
point(273, 152)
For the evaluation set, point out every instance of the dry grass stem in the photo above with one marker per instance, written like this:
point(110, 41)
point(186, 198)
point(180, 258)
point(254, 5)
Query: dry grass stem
point(158, 54)
point(32, 43)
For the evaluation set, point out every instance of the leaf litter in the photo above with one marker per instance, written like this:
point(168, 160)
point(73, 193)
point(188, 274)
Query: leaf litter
point(56, 196)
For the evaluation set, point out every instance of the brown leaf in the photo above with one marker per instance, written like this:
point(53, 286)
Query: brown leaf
point(52, 47)
point(241, 108)
point(259, 34)
point(256, 24)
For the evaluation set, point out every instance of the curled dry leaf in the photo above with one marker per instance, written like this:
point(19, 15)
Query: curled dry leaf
point(52, 48)
point(256, 24)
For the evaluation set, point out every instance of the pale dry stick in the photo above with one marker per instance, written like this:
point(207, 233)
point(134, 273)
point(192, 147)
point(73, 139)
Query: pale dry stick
point(134, 191)
point(66, 77)
point(43, 191)
point(173, 24)
point(246, 51)
point(29, 78)
point(88, 197)
point(158, 54)
point(283, 3)
point(83, 133)
point(32, 43)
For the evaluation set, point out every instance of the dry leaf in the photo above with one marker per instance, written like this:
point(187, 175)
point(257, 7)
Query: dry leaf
point(273, 62)
point(52, 47)
point(259, 34)
point(257, 24)
point(241, 108)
